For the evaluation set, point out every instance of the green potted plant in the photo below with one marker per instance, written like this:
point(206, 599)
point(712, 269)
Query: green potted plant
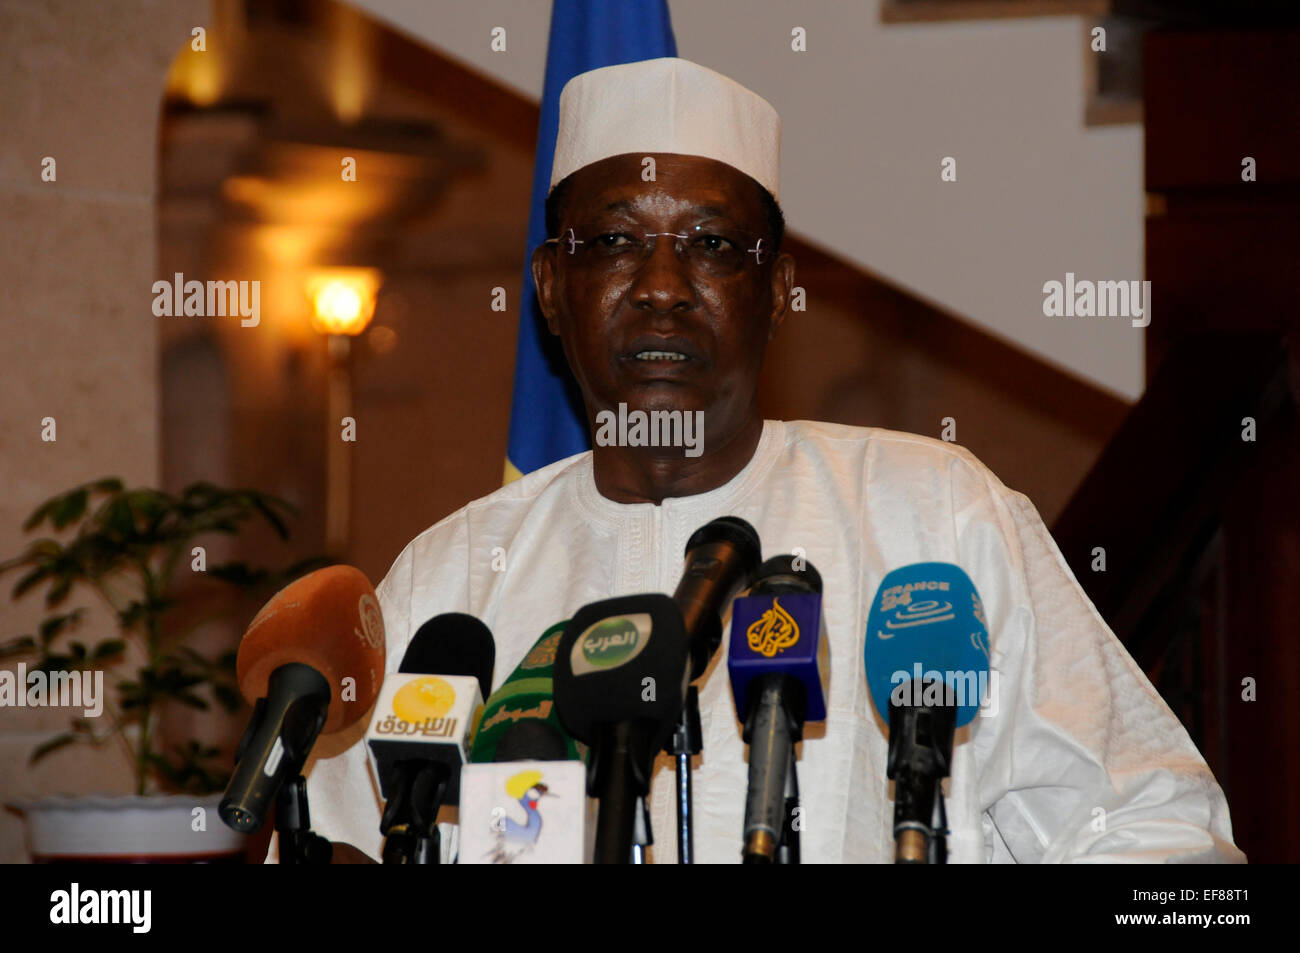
point(137, 549)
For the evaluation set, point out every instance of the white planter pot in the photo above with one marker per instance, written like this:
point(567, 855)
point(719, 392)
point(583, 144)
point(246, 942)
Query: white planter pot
point(156, 829)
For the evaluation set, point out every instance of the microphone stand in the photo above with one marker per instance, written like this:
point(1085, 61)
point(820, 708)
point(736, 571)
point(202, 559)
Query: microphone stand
point(939, 840)
point(642, 836)
point(410, 821)
point(920, 752)
point(618, 774)
point(298, 843)
point(787, 851)
point(686, 741)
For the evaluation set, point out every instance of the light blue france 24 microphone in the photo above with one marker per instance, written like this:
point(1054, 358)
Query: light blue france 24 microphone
point(779, 666)
point(927, 623)
point(927, 664)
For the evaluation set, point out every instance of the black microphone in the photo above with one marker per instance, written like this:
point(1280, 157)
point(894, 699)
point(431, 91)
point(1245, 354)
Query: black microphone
point(453, 643)
point(422, 728)
point(720, 558)
point(619, 680)
point(531, 740)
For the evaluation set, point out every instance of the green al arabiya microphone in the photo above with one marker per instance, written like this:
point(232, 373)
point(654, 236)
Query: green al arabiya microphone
point(519, 720)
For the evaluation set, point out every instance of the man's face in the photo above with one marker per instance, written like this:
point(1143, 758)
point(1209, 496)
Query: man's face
point(609, 315)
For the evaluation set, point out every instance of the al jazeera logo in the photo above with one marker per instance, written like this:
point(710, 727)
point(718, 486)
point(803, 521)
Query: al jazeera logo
point(774, 631)
point(420, 708)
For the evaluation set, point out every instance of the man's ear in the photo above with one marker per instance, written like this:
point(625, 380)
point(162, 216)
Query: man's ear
point(782, 288)
point(543, 268)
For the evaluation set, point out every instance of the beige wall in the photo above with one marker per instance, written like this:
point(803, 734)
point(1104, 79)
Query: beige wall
point(82, 83)
point(868, 112)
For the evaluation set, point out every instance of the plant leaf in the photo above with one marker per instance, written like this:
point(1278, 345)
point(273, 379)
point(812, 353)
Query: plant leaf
point(304, 566)
point(23, 645)
point(31, 580)
point(133, 613)
point(263, 506)
point(190, 699)
point(39, 514)
point(52, 626)
point(55, 663)
point(228, 697)
point(238, 574)
point(109, 650)
point(116, 518)
point(52, 745)
point(58, 592)
point(186, 653)
point(70, 508)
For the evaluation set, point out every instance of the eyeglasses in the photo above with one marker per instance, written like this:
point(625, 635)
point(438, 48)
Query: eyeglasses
point(707, 249)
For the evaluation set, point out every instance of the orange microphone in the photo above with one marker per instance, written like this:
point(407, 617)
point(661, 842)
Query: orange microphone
point(311, 662)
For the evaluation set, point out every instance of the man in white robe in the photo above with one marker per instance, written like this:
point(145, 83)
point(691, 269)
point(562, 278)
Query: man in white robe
point(1075, 757)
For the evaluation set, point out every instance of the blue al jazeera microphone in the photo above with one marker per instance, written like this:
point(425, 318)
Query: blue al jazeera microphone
point(779, 669)
point(927, 661)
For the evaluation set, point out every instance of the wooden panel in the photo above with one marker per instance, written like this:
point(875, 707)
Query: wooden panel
point(1220, 269)
point(906, 11)
point(1212, 99)
point(1152, 500)
point(1262, 538)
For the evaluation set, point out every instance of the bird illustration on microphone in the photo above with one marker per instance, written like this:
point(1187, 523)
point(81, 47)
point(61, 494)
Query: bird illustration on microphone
point(514, 838)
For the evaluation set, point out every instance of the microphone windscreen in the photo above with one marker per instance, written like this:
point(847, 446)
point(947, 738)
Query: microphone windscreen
point(721, 556)
point(786, 573)
point(622, 660)
point(526, 696)
point(927, 623)
point(330, 620)
point(531, 740)
point(777, 630)
point(452, 644)
point(733, 530)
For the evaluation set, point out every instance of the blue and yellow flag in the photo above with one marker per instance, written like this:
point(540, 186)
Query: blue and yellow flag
point(547, 422)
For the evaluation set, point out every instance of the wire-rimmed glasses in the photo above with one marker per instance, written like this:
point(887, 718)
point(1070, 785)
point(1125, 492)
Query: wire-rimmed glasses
point(710, 249)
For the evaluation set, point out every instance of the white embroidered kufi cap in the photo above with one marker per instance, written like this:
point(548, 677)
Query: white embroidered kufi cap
point(666, 105)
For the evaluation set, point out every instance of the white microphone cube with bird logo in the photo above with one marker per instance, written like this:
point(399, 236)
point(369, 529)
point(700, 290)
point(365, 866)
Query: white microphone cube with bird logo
point(524, 812)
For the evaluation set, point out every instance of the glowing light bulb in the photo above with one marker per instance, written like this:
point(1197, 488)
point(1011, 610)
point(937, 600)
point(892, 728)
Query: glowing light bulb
point(343, 301)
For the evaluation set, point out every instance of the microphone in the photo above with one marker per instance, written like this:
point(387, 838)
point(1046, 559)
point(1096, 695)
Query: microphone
point(318, 633)
point(422, 730)
point(519, 720)
point(927, 663)
point(524, 812)
point(454, 644)
point(620, 676)
point(720, 558)
point(523, 796)
point(780, 670)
